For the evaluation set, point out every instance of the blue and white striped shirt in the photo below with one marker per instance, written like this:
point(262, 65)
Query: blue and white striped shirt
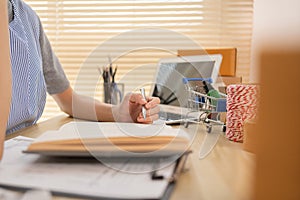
point(34, 66)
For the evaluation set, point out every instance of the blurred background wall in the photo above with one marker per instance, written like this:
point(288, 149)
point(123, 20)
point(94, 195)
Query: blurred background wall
point(276, 25)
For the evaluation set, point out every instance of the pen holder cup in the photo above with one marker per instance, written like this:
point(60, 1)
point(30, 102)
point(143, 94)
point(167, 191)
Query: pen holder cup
point(113, 92)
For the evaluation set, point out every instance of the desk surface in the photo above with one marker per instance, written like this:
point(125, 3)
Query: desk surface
point(226, 173)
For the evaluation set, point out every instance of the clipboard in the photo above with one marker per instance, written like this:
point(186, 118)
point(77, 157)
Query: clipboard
point(36, 164)
point(179, 169)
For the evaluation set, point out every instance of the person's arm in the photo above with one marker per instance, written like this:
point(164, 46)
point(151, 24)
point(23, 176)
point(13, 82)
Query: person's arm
point(129, 110)
point(5, 75)
point(83, 107)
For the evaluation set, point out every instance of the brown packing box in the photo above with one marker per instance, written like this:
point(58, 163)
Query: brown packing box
point(249, 142)
point(278, 138)
point(228, 81)
point(228, 66)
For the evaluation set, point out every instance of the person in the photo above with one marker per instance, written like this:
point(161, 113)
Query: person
point(5, 75)
point(35, 70)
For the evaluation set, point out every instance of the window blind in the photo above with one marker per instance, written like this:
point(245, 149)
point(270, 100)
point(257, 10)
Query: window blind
point(82, 32)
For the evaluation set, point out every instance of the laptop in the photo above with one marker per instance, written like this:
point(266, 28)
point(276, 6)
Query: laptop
point(171, 90)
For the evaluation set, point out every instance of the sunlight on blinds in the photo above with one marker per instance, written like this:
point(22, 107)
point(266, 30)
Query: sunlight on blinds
point(78, 29)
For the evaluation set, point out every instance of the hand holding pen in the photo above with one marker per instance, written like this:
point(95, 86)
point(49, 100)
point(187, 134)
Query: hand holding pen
point(130, 109)
point(134, 107)
point(150, 108)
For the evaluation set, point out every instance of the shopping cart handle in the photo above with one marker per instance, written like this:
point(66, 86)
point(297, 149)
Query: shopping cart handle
point(186, 80)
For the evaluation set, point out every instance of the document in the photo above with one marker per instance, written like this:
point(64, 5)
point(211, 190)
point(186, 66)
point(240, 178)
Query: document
point(112, 140)
point(124, 179)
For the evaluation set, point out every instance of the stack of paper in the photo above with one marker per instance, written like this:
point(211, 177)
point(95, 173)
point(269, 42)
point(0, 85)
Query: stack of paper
point(128, 179)
point(108, 160)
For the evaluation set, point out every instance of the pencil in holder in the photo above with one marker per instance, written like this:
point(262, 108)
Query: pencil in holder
point(113, 92)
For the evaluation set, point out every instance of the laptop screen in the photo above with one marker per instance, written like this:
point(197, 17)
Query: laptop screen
point(169, 86)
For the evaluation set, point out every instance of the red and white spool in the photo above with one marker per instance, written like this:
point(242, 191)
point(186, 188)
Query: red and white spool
point(242, 103)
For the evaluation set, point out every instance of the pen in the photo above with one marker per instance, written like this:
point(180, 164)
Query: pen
point(143, 108)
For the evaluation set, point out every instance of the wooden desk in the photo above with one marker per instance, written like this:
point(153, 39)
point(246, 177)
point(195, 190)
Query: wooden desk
point(226, 173)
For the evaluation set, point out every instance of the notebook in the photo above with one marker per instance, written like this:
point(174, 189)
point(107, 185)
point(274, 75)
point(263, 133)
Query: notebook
point(169, 87)
point(109, 139)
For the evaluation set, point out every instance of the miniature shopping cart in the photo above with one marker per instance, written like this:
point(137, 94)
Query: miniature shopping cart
point(208, 102)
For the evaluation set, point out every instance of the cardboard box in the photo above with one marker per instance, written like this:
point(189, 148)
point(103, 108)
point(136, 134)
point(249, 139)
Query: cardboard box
point(228, 81)
point(249, 141)
point(278, 138)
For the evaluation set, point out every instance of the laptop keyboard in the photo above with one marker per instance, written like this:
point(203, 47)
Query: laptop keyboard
point(170, 116)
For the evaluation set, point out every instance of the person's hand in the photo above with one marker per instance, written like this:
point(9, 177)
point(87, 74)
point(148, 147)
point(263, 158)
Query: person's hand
point(130, 109)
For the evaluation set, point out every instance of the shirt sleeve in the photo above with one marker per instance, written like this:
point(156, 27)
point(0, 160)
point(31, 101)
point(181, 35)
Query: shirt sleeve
point(55, 77)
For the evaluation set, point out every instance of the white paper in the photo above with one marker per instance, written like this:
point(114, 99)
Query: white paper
point(37, 195)
point(73, 130)
point(82, 176)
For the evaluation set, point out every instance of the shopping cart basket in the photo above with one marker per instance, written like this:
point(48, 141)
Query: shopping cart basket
point(210, 103)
